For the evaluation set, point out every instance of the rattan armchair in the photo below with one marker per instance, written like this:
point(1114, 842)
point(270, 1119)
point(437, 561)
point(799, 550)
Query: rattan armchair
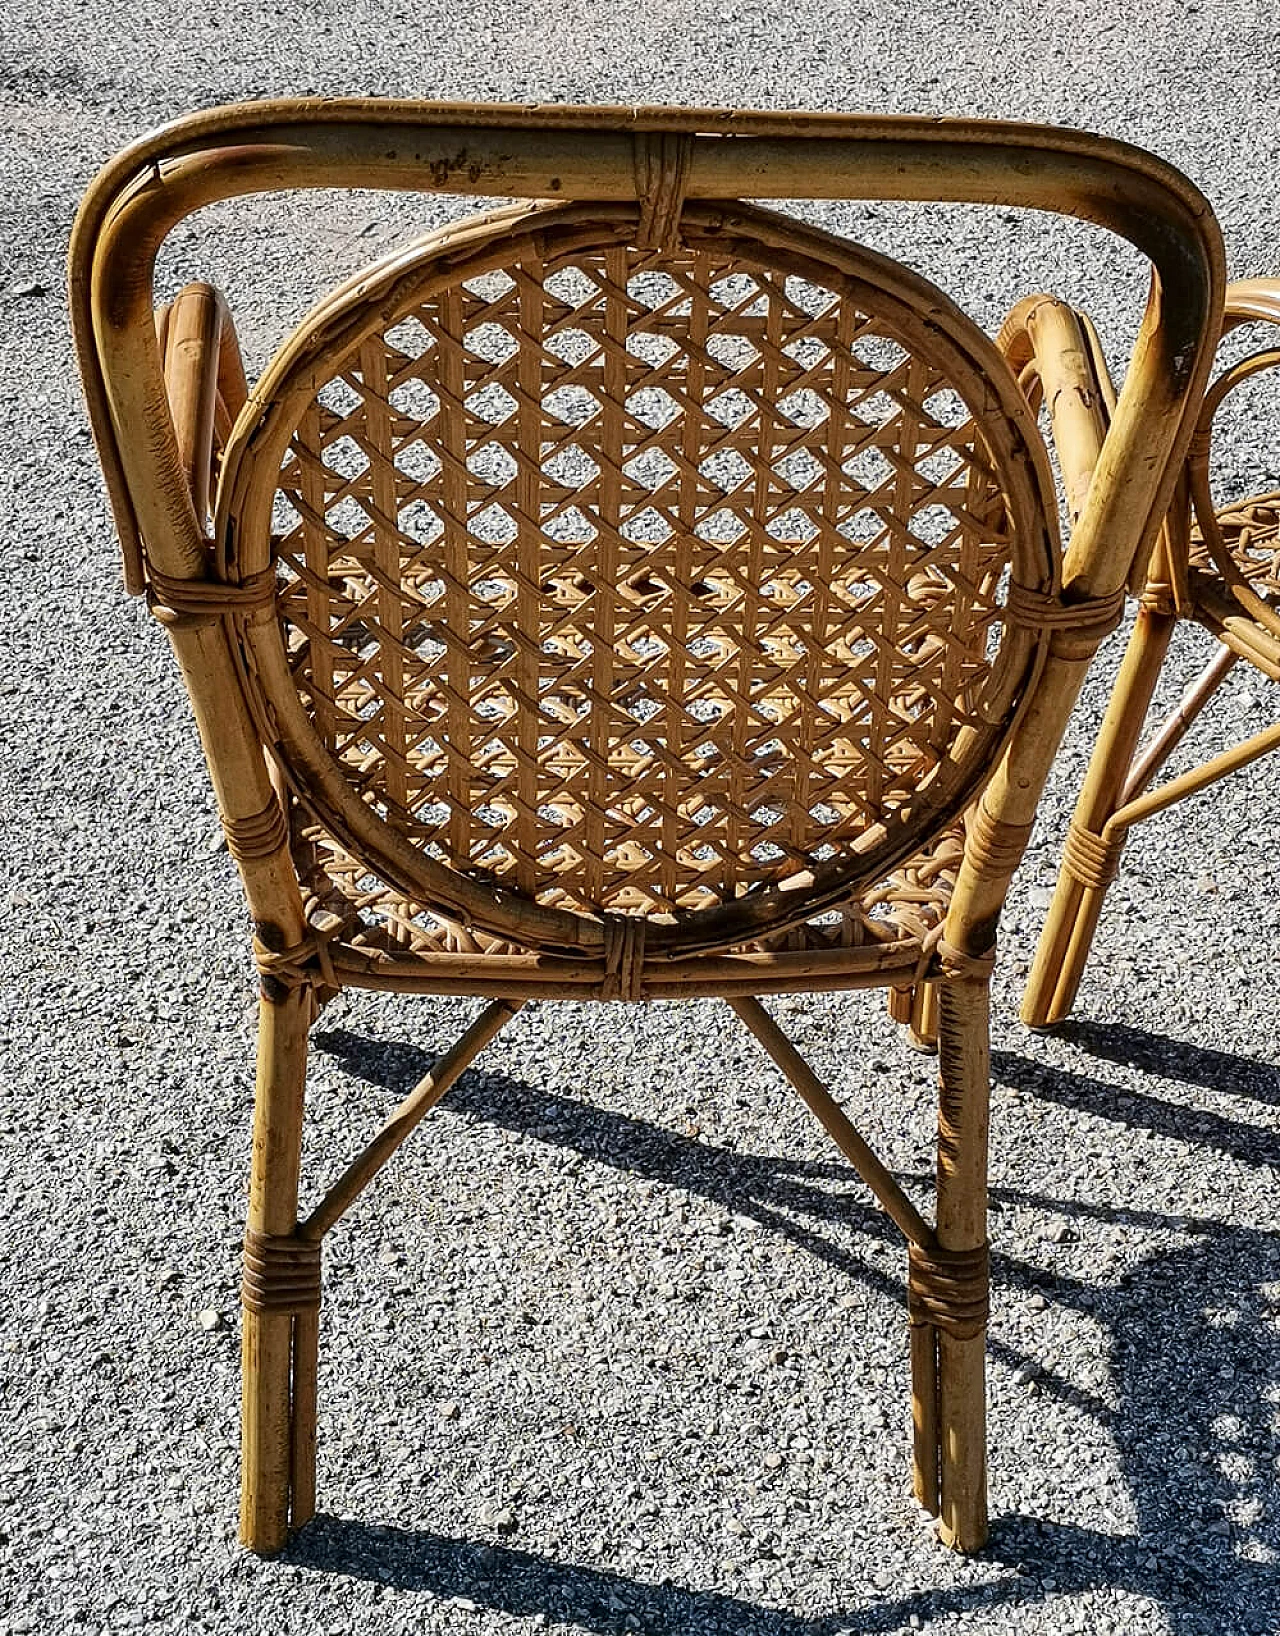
point(624, 596)
point(1216, 566)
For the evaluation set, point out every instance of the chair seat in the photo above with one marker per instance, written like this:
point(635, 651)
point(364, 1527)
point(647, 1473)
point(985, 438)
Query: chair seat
point(379, 937)
point(1251, 530)
point(1239, 601)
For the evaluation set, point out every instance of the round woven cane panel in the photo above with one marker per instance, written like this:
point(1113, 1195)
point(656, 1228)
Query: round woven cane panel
point(637, 579)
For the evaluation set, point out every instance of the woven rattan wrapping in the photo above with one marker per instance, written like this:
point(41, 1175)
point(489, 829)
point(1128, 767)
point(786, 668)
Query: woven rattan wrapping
point(638, 579)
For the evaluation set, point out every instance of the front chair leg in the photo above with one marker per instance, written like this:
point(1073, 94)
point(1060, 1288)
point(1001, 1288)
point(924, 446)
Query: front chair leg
point(948, 1289)
point(281, 1293)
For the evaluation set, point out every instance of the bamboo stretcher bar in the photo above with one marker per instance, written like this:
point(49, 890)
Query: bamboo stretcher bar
point(405, 1118)
point(882, 1182)
point(1197, 778)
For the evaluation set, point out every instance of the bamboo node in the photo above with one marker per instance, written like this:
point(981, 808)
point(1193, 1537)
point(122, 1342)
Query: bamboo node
point(949, 1289)
point(186, 603)
point(257, 836)
point(1091, 860)
point(661, 166)
point(623, 957)
point(281, 1273)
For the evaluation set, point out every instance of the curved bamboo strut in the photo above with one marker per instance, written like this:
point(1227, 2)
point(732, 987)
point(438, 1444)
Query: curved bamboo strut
point(589, 153)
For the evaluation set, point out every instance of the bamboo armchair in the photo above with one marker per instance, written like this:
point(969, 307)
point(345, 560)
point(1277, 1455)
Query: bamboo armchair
point(623, 597)
point(1219, 567)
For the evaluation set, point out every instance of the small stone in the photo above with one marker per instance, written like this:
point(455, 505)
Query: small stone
point(1065, 1235)
point(1206, 883)
point(501, 1517)
point(28, 287)
point(449, 1410)
point(217, 840)
point(778, 1355)
point(209, 1320)
point(772, 1461)
point(1037, 1302)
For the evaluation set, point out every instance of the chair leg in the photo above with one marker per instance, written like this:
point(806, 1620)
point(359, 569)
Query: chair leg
point(948, 1293)
point(1089, 863)
point(924, 1408)
point(279, 1342)
point(916, 1009)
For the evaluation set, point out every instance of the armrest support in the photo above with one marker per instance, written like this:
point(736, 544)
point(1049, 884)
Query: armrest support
point(204, 380)
point(1052, 349)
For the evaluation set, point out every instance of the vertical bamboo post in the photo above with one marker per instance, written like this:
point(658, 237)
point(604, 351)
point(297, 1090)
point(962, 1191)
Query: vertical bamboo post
point(924, 1416)
point(963, 1099)
point(1077, 905)
point(272, 1461)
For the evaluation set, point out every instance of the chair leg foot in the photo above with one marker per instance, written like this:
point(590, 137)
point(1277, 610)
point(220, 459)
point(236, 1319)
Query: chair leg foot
point(951, 1279)
point(278, 1428)
point(962, 1441)
point(281, 1294)
point(306, 1349)
point(924, 1416)
point(266, 1431)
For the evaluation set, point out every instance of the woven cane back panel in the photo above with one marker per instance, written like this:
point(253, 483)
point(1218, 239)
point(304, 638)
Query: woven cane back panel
point(635, 579)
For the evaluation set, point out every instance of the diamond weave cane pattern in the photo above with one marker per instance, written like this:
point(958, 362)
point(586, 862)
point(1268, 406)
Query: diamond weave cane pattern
point(634, 580)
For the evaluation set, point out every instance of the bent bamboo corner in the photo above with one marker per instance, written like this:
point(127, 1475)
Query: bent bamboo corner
point(632, 593)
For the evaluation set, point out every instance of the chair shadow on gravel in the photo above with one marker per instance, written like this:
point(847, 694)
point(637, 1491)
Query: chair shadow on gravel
point(1194, 1352)
point(1242, 1077)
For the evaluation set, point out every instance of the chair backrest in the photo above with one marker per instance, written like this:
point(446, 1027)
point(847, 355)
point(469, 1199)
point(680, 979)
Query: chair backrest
point(638, 578)
point(660, 556)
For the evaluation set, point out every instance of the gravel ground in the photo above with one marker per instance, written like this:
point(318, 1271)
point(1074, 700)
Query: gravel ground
point(616, 1347)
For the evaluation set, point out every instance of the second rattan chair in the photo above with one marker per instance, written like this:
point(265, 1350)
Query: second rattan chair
point(1216, 566)
point(624, 596)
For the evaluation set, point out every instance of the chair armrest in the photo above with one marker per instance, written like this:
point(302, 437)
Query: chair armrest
point(1054, 352)
point(205, 382)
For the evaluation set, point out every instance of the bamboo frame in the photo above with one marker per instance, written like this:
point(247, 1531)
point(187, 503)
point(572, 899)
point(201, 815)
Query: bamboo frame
point(1225, 575)
point(902, 897)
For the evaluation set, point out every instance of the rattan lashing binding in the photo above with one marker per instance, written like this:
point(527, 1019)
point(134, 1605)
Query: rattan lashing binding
point(638, 699)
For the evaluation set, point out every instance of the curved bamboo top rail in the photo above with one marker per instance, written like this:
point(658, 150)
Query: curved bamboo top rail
point(572, 153)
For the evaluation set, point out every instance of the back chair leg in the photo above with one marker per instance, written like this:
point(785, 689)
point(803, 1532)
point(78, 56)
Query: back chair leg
point(916, 1009)
point(1089, 863)
point(948, 1282)
point(281, 1294)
